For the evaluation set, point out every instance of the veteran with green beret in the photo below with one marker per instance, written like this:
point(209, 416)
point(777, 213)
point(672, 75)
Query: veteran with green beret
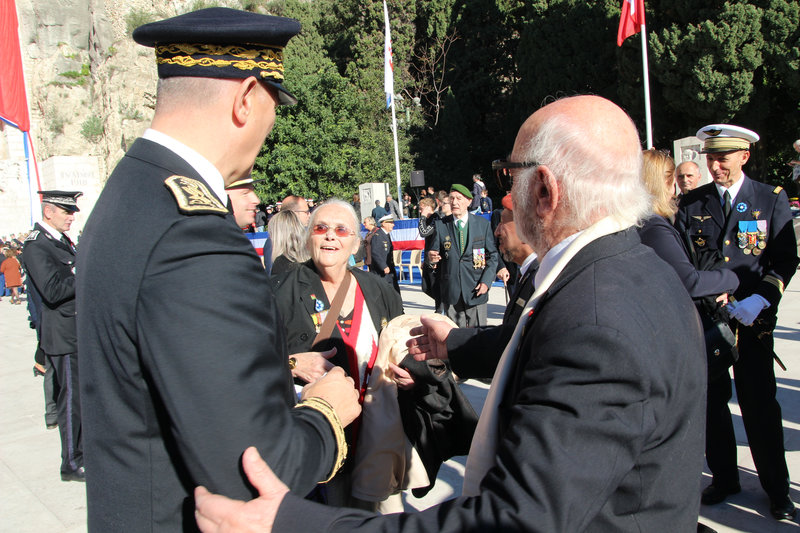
point(468, 260)
point(183, 358)
point(747, 226)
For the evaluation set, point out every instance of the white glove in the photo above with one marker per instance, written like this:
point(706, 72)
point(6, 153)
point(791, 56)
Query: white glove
point(745, 311)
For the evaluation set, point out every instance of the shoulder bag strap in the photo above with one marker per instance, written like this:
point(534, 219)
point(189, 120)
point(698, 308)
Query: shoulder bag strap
point(333, 313)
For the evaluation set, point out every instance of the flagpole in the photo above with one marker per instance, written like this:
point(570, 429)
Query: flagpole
point(646, 79)
point(396, 159)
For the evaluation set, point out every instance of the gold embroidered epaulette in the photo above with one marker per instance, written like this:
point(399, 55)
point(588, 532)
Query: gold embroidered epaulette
point(777, 190)
point(193, 196)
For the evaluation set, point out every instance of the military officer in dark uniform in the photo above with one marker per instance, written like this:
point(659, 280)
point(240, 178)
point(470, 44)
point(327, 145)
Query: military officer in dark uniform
point(749, 224)
point(184, 358)
point(382, 252)
point(467, 261)
point(50, 263)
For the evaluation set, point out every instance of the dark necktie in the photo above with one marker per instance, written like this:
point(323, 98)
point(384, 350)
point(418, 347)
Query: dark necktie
point(65, 240)
point(726, 204)
point(461, 238)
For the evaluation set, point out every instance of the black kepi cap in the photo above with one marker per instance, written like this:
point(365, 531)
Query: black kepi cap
point(67, 200)
point(220, 42)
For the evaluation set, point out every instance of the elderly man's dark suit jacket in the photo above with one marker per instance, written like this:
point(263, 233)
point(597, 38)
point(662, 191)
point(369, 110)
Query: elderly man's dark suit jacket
point(601, 426)
point(458, 275)
point(50, 265)
point(183, 360)
point(475, 352)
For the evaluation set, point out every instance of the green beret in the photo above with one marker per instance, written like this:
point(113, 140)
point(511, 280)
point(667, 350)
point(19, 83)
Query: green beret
point(461, 189)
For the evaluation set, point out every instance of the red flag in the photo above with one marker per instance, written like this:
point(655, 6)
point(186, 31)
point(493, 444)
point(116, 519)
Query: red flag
point(631, 20)
point(13, 102)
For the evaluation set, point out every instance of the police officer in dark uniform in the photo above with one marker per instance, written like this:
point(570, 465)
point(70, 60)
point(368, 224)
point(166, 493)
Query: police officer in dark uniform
point(382, 252)
point(184, 358)
point(50, 263)
point(750, 225)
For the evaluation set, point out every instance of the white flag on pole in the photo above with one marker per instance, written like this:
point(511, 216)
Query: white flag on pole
point(388, 65)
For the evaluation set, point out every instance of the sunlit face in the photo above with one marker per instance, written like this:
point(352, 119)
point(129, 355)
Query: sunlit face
point(329, 249)
point(244, 202)
point(58, 217)
point(688, 177)
point(303, 212)
point(726, 167)
point(458, 204)
point(507, 238)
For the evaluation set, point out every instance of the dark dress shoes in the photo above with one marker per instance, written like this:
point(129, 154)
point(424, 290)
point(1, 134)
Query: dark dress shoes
point(75, 475)
point(714, 494)
point(782, 508)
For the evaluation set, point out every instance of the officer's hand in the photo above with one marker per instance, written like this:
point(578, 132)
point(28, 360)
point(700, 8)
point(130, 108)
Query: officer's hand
point(218, 514)
point(481, 289)
point(386, 270)
point(337, 389)
point(425, 211)
point(747, 310)
point(311, 366)
point(503, 275)
point(433, 257)
point(432, 340)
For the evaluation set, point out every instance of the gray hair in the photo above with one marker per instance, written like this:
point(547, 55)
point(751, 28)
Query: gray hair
point(286, 233)
point(595, 182)
point(356, 226)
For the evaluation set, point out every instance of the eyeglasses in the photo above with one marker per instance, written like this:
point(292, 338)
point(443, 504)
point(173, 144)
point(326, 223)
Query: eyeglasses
point(502, 171)
point(340, 231)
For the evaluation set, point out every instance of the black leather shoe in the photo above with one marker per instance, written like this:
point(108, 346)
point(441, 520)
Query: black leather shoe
point(782, 508)
point(714, 494)
point(75, 475)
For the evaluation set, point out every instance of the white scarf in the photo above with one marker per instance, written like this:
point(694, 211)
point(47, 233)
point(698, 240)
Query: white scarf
point(484, 442)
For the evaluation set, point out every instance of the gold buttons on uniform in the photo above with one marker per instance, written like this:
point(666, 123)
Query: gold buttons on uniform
point(727, 242)
point(727, 259)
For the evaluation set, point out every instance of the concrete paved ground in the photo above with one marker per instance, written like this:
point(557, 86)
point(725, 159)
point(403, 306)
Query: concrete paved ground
point(33, 499)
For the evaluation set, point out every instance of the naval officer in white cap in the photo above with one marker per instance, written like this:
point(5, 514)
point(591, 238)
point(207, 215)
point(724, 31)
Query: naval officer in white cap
point(749, 225)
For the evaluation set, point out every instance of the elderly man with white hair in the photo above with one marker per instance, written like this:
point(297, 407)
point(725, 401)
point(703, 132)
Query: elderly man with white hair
point(594, 421)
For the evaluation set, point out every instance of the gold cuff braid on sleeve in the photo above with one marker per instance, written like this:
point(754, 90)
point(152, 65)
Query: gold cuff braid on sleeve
point(772, 280)
point(320, 405)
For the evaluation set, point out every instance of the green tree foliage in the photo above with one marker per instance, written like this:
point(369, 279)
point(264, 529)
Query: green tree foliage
point(468, 72)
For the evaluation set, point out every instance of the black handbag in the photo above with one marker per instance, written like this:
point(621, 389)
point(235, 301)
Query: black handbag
point(720, 337)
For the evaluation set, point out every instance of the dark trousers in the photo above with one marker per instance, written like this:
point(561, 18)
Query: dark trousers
point(51, 390)
point(465, 316)
point(754, 375)
point(69, 410)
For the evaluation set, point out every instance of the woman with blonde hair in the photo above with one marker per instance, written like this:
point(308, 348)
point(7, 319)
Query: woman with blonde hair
point(288, 242)
point(658, 173)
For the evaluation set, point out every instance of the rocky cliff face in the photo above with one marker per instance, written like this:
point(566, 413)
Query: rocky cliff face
point(91, 89)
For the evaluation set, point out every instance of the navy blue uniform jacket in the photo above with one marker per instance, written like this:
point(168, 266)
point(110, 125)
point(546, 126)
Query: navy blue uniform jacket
point(700, 216)
point(50, 265)
point(183, 358)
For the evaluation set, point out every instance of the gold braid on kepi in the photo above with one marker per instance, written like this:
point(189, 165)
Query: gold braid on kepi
point(264, 63)
point(223, 43)
point(320, 405)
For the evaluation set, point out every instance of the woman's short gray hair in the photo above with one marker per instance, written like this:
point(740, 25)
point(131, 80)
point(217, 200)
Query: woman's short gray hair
point(356, 225)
